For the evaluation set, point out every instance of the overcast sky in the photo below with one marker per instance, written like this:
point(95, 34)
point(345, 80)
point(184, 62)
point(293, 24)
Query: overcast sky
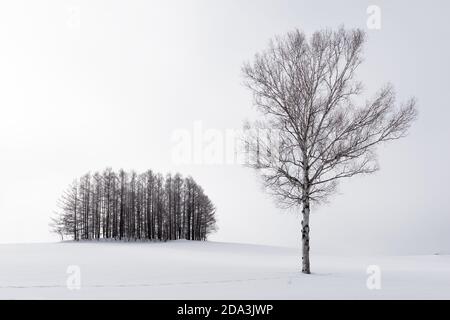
point(90, 84)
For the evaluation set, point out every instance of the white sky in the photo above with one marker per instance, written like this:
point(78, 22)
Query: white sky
point(90, 84)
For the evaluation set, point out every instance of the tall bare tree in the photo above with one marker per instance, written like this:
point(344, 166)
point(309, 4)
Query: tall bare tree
point(316, 129)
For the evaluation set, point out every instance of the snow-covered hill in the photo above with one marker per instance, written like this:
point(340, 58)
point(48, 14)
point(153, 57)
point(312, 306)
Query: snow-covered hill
point(208, 270)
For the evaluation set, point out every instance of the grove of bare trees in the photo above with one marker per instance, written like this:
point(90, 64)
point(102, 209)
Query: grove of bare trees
point(131, 206)
point(316, 129)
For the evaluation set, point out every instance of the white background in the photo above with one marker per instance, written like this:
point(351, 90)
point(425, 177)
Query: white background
point(90, 84)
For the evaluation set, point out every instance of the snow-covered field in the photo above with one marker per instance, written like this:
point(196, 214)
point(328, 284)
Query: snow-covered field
point(209, 270)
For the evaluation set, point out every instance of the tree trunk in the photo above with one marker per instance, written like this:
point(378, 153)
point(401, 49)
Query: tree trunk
point(305, 238)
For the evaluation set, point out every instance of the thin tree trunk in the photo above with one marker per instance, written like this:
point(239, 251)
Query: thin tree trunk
point(305, 238)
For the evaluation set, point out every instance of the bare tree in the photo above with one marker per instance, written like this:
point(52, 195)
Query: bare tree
point(133, 206)
point(315, 130)
point(57, 225)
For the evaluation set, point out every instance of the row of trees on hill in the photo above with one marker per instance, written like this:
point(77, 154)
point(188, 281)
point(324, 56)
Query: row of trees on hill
point(131, 206)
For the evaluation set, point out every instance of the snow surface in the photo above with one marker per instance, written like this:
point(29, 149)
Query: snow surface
point(210, 270)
